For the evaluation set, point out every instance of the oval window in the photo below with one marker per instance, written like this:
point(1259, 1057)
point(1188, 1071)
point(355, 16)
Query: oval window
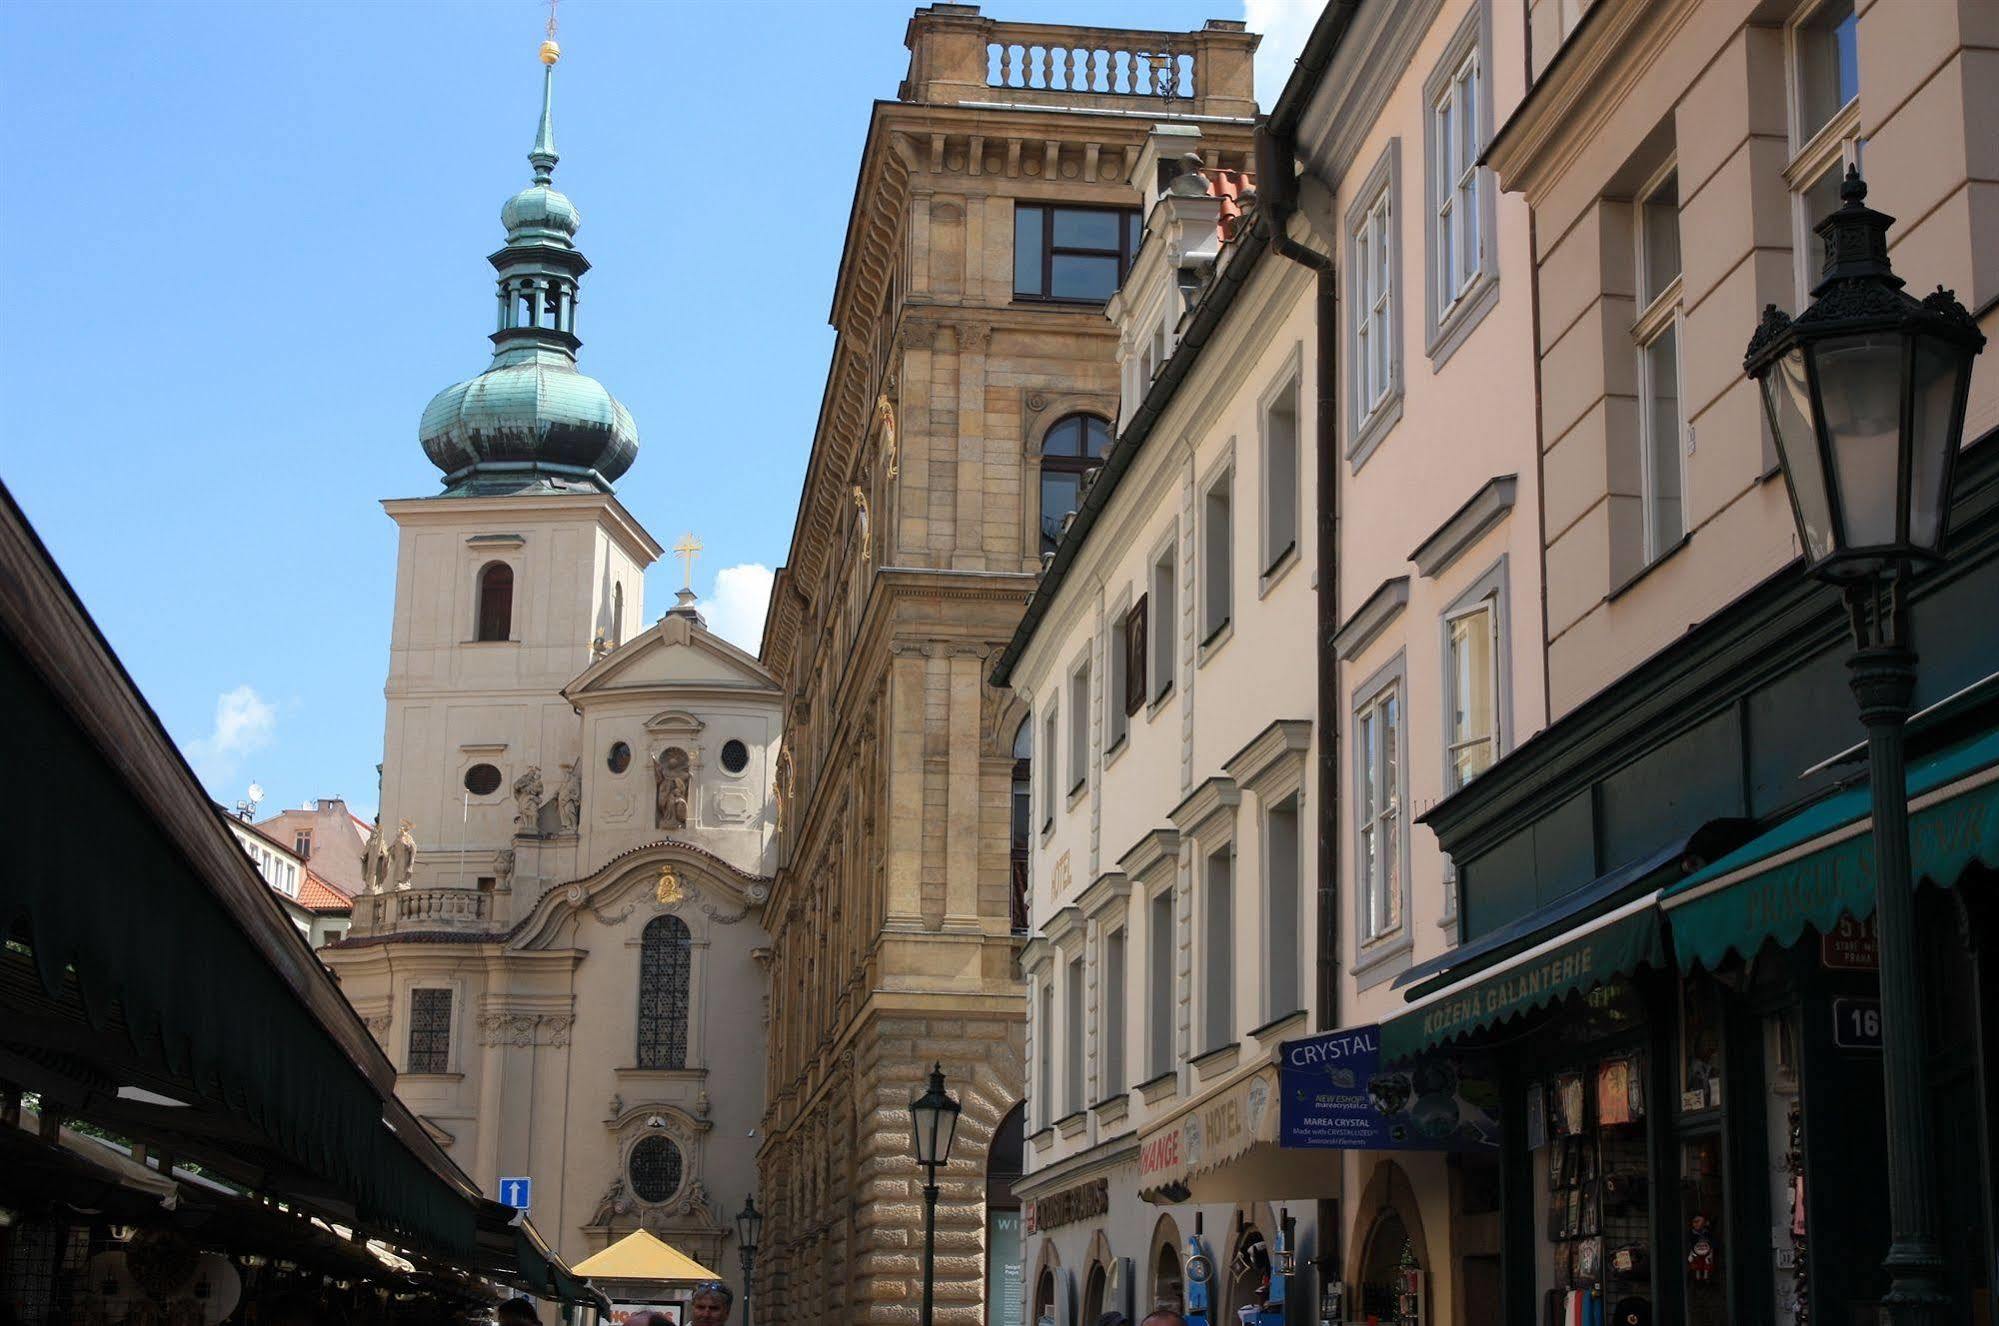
point(735, 756)
point(655, 1169)
point(482, 780)
point(620, 758)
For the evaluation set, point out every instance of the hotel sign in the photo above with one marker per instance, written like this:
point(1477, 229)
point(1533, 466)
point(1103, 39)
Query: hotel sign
point(1210, 1132)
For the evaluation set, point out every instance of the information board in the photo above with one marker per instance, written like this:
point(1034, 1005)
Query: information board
point(1337, 1095)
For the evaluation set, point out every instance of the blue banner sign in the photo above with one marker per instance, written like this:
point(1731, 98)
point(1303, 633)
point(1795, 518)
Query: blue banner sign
point(1336, 1095)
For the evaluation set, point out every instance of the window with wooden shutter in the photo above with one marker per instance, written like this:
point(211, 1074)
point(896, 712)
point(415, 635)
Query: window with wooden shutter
point(1134, 657)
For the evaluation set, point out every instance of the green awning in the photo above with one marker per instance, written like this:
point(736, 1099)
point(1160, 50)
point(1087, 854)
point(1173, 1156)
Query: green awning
point(1818, 865)
point(1613, 945)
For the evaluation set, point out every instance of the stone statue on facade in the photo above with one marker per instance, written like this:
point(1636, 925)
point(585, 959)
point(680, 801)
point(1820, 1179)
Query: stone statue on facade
point(527, 801)
point(569, 801)
point(503, 868)
point(612, 1204)
point(670, 769)
point(402, 857)
point(374, 860)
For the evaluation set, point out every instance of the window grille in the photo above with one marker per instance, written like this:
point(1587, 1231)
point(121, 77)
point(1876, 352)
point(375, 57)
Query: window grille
point(430, 1031)
point(655, 1169)
point(665, 956)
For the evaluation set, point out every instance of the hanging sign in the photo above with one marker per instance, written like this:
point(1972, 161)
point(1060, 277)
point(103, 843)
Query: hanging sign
point(1337, 1095)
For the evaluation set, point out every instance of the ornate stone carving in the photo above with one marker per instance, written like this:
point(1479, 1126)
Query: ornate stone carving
point(863, 525)
point(669, 891)
point(670, 772)
point(569, 804)
point(402, 856)
point(378, 1027)
point(527, 801)
point(374, 860)
point(503, 868)
point(614, 1203)
point(885, 411)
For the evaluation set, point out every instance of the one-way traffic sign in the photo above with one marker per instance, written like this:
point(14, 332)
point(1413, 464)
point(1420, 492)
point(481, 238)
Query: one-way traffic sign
point(516, 1193)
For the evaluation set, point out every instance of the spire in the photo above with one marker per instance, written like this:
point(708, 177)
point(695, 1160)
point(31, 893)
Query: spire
point(542, 155)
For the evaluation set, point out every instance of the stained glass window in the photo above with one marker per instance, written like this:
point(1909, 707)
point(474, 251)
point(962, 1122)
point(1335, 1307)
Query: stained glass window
point(655, 1167)
point(430, 1031)
point(665, 956)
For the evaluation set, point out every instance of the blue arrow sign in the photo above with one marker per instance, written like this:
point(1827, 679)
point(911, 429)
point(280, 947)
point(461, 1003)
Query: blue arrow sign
point(516, 1193)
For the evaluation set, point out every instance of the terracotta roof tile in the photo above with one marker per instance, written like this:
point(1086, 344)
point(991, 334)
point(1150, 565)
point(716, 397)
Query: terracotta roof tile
point(321, 896)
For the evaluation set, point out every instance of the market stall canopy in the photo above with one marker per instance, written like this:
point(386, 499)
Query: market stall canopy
point(1577, 961)
point(641, 1256)
point(151, 983)
point(1818, 865)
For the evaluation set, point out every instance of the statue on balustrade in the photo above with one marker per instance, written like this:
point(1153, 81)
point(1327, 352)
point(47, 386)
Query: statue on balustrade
point(402, 857)
point(527, 801)
point(374, 860)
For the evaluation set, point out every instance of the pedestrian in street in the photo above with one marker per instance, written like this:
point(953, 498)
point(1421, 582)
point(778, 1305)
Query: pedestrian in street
point(519, 1312)
point(710, 1305)
point(1114, 1319)
point(1164, 1317)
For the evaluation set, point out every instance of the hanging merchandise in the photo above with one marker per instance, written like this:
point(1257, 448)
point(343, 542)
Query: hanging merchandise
point(1200, 1270)
point(1700, 1249)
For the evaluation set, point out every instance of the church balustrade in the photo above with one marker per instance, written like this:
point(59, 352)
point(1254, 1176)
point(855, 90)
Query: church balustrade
point(434, 908)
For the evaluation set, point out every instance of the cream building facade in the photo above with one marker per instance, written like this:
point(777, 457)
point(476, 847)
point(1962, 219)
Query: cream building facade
point(974, 380)
point(1214, 885)
point(561, 943)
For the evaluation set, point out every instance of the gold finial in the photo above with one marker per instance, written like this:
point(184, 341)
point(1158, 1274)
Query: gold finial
point(550, 51)
point(687, 550)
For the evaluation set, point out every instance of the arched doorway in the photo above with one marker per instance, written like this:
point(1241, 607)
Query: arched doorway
point(1391, 1285)
point(1003, 1234)
point(1169, 1288)
point(1093, 1294)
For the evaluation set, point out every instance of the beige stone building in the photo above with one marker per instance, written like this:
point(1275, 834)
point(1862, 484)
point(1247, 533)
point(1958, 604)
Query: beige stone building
point(975, 379)
point(560, 941)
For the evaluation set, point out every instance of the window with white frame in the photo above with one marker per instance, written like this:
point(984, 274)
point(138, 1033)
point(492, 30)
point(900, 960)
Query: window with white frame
point(1460, 192)
point(1111, 1031)
point(1472, 643)
point(1072, 1052)
point(1378, 841)
point(1164, 626)
point(1117, 679)
point(1823, 73)
point(1047, 1053)
point(1159, 985)
point(1280, 473)
point(1048, 763)
point(1218, 950)
point(1283, 867)
point(1373, 261)
point(1079, 726)
point(1657, 336)
point(1217, 549)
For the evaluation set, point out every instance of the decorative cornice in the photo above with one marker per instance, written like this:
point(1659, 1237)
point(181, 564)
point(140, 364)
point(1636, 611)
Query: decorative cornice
point(1206, 807)
point(1265, 754)
point(1142, 861)
point(1104, 892)
point(1466, 526)
point(1371, 618)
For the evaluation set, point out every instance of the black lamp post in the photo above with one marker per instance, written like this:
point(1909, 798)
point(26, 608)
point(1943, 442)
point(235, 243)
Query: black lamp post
point(933, 1123)
point(1865, 392)
point(749, 1229)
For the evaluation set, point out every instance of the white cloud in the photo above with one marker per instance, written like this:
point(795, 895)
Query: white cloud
point(244, 723)
point(735, 610)
point(1285, 24)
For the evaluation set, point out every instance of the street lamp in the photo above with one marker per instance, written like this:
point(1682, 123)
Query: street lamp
point(749, 1229)
point(1865, 392)
point(933, 1124)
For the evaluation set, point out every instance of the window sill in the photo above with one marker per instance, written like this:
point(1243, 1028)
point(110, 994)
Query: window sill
point(1369, 432)
point(1270, 1029)
point(1619, 590)
point(1461, 319)
point(1163, 1087)
point(1218, 637)
point(1389, 959)
point(1042, 1139)
point(1158, 702)
point(1076, 792)
point(446, 1078)
point(1117, 748)
point(488, 642)
point(1112, 1108)
point(1057, 301)
point(664, 1074)
point(1072, 1125)
point(1277, 570)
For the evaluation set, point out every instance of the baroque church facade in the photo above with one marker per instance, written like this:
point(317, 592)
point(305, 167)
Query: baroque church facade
point(561, 940)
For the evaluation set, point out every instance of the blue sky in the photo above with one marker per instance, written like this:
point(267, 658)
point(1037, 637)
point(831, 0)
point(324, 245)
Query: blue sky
point(255, 240)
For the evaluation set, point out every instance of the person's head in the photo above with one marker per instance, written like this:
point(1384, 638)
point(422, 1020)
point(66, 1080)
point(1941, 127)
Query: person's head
point(519, 1312)
point(710, 1305)
point(1114, 1319)
point(1164, 1317)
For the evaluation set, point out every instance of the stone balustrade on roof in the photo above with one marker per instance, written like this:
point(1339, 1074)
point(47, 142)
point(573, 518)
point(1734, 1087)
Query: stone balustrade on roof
point(957, 56)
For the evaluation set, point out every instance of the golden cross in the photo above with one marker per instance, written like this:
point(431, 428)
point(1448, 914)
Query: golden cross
point(687, 550)
point(551, 20)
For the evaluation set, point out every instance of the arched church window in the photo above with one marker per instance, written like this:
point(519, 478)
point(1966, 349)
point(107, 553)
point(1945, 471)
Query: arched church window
point(1071, 449)
point(496, 602)
point(665, 959)
point(655, 1169)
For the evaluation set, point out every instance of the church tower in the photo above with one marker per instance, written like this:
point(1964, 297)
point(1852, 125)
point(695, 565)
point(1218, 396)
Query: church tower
point(519, 574)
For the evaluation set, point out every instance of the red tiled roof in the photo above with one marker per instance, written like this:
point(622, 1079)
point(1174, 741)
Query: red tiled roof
point(320, 896)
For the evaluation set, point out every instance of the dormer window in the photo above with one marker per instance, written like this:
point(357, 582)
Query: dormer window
point(496, 602)
point(1072, 253)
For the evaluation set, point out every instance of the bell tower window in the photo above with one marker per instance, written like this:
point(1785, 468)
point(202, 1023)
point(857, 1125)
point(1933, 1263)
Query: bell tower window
point(496, 602)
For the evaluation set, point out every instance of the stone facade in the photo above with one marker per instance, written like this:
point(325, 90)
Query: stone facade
point(893, 912)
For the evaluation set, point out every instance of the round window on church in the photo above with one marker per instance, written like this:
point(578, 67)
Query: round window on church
point(655, 1169)
point(620, 758)
point(482, 780)
point(735, 756)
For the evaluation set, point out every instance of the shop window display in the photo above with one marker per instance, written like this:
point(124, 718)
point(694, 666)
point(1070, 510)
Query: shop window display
point(1587, 1133)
